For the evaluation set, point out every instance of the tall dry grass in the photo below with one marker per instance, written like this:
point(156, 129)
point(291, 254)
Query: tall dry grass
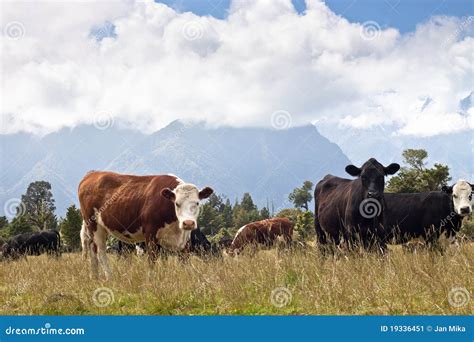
point(303, 282)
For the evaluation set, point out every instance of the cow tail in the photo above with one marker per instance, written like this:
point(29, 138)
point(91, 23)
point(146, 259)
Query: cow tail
point(59, 243)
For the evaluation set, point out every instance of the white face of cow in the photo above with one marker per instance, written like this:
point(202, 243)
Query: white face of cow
point(462, 196)
point(186, 198)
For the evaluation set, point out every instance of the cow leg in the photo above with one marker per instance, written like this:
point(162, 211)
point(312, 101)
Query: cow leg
point(97, 245)
point(94, 259)
point(153, 250)
point(321, 236)
point(100, 239)
point(54, 249)
point(84, 241)
point(432, 239)
point(57, 251)
point(368, 240)
point(287, 238)
point(87, 233)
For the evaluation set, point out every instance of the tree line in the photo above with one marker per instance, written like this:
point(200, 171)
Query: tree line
point(218, 218)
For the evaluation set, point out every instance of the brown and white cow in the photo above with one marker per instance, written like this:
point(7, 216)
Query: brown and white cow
point(161, 210)
point(263, 232)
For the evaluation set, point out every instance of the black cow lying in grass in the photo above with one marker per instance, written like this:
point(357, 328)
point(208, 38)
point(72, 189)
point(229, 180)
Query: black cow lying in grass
point(32, 244)
point(428, 215)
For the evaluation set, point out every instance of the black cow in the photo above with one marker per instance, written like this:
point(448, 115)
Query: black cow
point(122, 248)
point(33, 244)
point(353, 209)
point(201, 245)
point(427, 215)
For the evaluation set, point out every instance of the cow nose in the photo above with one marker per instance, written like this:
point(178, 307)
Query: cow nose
point(465, 210)
point(372, 194)
point(188, 224)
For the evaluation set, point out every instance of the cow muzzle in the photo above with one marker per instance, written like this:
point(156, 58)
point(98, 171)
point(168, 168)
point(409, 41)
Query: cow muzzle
point(189, 225)
point(465, 210)
point(373, 194)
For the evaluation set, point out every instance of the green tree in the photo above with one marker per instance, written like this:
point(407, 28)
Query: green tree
point(247, 203)
point(3, 227)
point(290, 213)
point(3, 222)
point(301, 197)
point(216, 202)
point(416, 177)
point(264, 213)
point(223, 233)
point(244, 212)
point(305, 224)
point(241, 217)
point(227, 214)
point(215, 214)
point(207, 216)
point(38, 202)
point(70, 227)
point(19, 225)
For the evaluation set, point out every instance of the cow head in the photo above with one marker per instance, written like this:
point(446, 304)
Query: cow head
point(186, 198)
point(372, 175)
point(461, 194)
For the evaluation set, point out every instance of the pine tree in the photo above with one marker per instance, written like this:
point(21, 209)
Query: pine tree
point(264, 213)
point(19, 225)
point(70, 228)
point(227, 214)
point(3, 227)
point(3, 222)
point(206, 218)
point(247, 203)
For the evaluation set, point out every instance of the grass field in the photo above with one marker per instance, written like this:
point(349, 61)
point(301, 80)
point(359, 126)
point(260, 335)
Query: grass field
point(271, 282)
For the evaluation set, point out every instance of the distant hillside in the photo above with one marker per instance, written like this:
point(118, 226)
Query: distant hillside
point(268, 163)
point(455, 150)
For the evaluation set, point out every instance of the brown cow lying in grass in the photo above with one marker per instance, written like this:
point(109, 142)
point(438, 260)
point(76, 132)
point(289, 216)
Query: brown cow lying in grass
point(263, 232)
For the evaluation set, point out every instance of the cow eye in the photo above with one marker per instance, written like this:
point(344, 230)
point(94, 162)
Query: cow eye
point(178, 205)
point(454, 196)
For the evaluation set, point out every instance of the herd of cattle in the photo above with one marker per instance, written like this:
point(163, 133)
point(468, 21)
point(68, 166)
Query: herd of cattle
point(161, 212)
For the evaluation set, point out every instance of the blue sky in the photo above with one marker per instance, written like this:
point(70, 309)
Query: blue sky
point(401, 14)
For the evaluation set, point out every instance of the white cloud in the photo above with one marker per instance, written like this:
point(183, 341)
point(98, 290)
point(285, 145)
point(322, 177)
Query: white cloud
point(264, 57)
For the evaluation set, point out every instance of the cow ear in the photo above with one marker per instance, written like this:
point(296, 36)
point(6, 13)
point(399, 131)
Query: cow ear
point(168, 193)
point(391, 169)
point(205, 193)
point(447, 189)
point(353, 170)
point(472, 187)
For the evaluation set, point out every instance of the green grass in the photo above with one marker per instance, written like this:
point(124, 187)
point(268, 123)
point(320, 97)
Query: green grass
point(399, 283)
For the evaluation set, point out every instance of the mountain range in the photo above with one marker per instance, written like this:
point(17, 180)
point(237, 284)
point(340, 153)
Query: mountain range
point(455, 149)
point(268, 163)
